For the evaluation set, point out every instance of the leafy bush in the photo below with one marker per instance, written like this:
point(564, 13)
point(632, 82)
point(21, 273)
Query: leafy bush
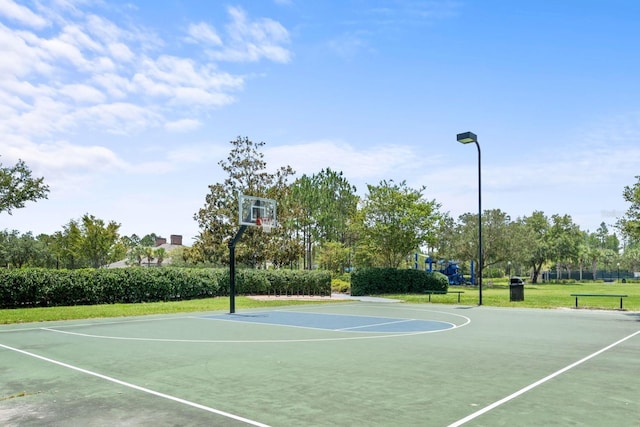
point(340, 286)
point(390, 281)
point(42, 287)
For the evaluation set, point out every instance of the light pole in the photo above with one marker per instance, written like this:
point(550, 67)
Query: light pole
point(467, 138)
point(618, 272)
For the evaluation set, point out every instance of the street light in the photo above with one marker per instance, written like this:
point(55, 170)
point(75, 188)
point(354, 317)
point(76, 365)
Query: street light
point(618, 272)
point(467, 138)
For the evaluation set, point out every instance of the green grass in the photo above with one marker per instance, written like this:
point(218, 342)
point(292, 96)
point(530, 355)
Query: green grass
point(44, 314)
point(540, 296)
point(497, 295)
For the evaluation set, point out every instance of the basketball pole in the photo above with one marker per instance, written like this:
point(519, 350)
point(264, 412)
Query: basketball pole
point(232, 269)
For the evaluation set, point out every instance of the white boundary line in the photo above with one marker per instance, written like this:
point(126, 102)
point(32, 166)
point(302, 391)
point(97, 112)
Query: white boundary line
point(373, 325)
point(70, 324)
point(222, 319)
point(143, 389)
point(265, 341)
point(537, 383)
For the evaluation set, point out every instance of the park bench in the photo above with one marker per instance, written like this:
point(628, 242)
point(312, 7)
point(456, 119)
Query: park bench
point(443, 293)
point(621, 296)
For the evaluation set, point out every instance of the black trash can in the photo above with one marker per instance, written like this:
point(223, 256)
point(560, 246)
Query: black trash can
point(516, 289)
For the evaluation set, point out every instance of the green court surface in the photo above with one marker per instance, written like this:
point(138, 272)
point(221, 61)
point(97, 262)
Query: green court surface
point(350, 364)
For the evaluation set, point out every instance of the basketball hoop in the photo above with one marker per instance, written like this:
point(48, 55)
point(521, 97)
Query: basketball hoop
point(265, 223)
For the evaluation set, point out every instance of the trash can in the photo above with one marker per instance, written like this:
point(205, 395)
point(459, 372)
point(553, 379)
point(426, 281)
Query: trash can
point(516, 289)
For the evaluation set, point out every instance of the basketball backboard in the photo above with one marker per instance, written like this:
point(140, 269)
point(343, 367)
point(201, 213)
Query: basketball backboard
point(257, 211)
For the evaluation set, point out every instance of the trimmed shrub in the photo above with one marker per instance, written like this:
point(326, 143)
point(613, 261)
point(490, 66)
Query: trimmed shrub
point(43, 287)
point(393, 281)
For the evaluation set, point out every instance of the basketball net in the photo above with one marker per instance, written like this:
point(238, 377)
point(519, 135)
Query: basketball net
point(265, 223)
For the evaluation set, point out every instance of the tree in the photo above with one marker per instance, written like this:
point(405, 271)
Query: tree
point(69, 245)
point(135, 254)
point(397, 220)
point(325, 208)
point(18, 250)
point(497, 242)
point(148, 254)
point(218, 219)
point(334, 257)
point(149, 240)
point(630, 223)
point(118, 251)
point(631, 257)
point(160, 254)
point(98, 239)
point(563, 240)
point(535, 248)
point(17, 187)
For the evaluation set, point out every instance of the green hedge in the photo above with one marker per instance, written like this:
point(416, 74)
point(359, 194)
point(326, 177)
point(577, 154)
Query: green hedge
point(44, 288)
point(373, 281)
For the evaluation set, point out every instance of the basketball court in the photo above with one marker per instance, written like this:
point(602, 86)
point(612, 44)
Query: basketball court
point(352, 363)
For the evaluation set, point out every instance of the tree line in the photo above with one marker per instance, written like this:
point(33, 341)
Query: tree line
point(323, 223)
point(85, 243)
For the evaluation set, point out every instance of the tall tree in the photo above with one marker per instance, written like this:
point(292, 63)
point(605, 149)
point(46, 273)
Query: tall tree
point(496, 238)
point(334, 257)
point(98, 240)
point(563, 240)
point(326, 206)
point(535, 248)
point(19, 250)
point(149, 240)
point(70, 246)
point(630, 223)
point(397, 220)
point(446, 239)
point(247, 173)
point(17, 187)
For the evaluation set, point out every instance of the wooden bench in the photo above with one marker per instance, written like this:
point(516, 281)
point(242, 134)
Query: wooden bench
point(443, 293)
point(621, 296)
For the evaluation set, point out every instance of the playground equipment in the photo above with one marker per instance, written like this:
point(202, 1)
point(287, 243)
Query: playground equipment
point(449, 269)
point(452, 271)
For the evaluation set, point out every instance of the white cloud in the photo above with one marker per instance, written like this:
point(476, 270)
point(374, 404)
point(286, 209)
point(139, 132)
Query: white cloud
point(183, 125)
point(348, 45)
point(19, 56)
point(60, 156)
point(361, 165)
point(250, 41)
point(203, 32)
point(21, 14)
point(88, 71)
point(118, 118)
point(118, 87)
point(120, 52)
point(197, 153)
point(79, 90)
point(199, 96)
point(82, 93)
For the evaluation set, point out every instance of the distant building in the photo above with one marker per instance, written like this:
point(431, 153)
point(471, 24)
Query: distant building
point(161, 242)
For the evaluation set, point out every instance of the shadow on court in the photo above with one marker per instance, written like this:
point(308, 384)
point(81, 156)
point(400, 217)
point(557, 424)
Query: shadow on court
point(352, 364)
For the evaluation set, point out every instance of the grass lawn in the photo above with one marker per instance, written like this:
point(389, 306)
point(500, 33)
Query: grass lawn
point(497, 295)
point(541, 296)
point(43, 314)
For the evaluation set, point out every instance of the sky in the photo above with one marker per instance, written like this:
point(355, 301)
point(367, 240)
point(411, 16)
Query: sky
point(126, 108)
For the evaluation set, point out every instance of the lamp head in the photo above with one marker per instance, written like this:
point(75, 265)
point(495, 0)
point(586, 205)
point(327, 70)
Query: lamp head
point(467, 137)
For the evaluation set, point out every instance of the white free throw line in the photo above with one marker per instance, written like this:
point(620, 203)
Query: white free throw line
point(136, 387)
point(537, 383)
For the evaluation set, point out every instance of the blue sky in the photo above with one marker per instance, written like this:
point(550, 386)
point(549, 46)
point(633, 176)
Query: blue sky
point(126, 108)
